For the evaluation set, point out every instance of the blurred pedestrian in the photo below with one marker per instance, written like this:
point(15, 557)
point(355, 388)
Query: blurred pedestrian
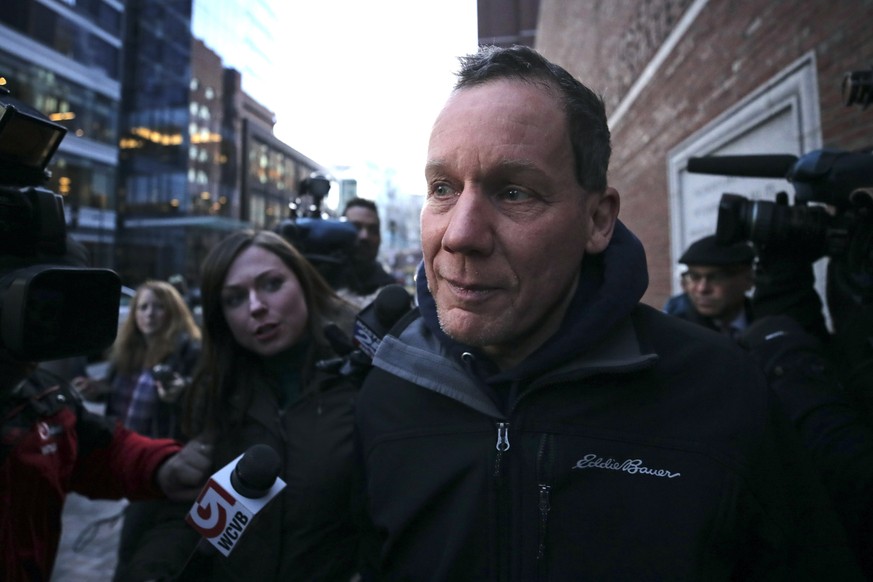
point(717, 281)
point(150, 366)
point(367, 275)
point(679, 302)
point(265, 308)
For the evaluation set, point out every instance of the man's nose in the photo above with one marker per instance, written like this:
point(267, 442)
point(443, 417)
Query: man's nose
point(469, 229)
point(702, 285)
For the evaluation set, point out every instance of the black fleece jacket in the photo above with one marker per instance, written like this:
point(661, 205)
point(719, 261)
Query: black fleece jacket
point(630, 446)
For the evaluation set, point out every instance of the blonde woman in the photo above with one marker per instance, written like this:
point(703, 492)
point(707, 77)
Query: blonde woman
point(151, 362)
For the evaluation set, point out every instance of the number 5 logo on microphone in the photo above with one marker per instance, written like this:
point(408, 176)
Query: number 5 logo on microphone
point(209, 514)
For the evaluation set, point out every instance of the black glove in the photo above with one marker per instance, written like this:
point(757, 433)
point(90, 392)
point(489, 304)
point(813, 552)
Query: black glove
point(773, 340)
point(786, 286)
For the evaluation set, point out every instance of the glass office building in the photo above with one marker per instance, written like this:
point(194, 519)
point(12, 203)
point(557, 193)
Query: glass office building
point(166, 149)
point(243, 33)
point(64, 59)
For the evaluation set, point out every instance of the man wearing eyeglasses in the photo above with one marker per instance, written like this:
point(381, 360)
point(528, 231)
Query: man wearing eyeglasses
point(717, 281)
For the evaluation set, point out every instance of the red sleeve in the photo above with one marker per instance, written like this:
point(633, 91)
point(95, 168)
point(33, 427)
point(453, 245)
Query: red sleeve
point(124, 467)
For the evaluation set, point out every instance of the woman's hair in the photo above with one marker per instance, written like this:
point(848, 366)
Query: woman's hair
point(224, 361)
point(130, 353)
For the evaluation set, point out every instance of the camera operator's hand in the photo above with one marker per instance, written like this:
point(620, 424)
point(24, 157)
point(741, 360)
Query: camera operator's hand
point(775, 340)
point(785, 285)
point(170, 391)
point(183, 474)
point(91, 390)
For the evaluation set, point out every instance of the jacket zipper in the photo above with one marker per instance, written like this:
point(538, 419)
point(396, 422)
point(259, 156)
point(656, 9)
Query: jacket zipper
point(502, 439)
point(502, 506)
point(544, 490)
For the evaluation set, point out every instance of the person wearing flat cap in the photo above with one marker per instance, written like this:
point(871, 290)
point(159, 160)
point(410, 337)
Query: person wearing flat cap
point(717, 282)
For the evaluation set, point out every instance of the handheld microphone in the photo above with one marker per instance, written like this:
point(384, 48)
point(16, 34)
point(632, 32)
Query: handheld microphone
point(234, 495)
point(374, 320)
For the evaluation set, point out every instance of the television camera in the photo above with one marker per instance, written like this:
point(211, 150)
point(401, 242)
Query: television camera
point(327, 243)
point(832, 216)
point(843, 181)
point(51, 306)
point(832, 213)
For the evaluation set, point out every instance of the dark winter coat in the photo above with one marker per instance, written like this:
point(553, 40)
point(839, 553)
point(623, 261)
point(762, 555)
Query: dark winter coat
point(308, 531)
point(689, 313)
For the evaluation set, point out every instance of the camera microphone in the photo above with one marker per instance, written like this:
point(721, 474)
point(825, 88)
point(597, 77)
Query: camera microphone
point(751, 166)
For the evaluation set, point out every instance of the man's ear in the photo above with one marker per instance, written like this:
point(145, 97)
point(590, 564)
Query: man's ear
point(604, 212)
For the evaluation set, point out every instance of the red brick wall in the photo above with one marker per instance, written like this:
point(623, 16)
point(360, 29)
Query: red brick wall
point(730, 50)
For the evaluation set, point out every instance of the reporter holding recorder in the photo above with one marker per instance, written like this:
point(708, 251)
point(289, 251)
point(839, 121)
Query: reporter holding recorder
point(151, 362)
point(264, 311)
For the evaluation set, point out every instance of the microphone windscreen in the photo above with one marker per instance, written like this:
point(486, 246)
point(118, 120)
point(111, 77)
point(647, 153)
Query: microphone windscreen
point(339, 341)
point(256, 471)
point(751, 166)
point(392, 302)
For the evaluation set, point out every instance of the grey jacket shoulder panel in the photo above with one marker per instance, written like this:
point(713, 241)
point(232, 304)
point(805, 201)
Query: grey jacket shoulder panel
point(418, 357)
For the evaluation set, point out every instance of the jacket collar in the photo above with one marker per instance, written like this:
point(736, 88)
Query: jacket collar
point(610, 286)
point(420, 357)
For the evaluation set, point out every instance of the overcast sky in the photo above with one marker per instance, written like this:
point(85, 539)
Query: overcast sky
point(380, 71)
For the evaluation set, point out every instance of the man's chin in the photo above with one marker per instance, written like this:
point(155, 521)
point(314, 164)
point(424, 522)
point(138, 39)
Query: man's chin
point(365, 258)
point(711, 313)
point(468, 328)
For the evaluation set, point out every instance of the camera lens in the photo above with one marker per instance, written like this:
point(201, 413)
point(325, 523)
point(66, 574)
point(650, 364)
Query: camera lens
point(800, 228)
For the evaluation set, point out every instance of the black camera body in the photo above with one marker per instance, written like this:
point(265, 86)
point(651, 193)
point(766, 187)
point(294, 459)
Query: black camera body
point(841, 180)
point(329, 244)
point(51, 306)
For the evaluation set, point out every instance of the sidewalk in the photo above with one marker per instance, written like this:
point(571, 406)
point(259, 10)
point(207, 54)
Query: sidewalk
point(81, 560)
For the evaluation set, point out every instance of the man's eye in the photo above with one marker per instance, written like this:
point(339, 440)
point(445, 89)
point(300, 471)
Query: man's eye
point(514, 195)
point(441, 191)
